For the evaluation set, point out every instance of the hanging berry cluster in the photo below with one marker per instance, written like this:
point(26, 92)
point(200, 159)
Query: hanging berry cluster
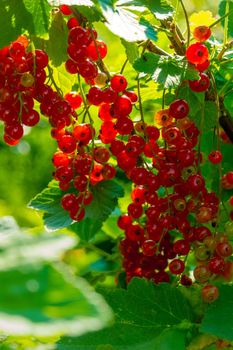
point(170, 204)
point(22, 72)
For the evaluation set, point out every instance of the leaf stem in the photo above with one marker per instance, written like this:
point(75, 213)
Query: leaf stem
point(187, 22)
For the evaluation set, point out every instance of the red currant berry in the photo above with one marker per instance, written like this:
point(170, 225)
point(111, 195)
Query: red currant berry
point(176, 266)
point(124, 221)
point(149, 247)
point(201, 274)
point(215, 157)
point(97, 49)
point(68, 201)
point(181, 247)
point(74, 99)
point(135, 232)
point(217, 265)
point(200, 85)
point(67, 144)
point(209, 293)
point(201, 33)
point(224, 249)
point(178, 109)
point(118, 83)
point(197, 53)
point(65, 9)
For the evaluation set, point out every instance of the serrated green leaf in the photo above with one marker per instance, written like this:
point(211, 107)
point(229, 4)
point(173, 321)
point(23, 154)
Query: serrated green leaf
point(122, 21)
point(105, 195)
point(143, 313)
point(48, 201)
point(105, 198)
point(222, 11)
point(147, 63)
point(18, 248)
point(161, 9)
point(218, 318)
point(48, 301)
point(165, 70)
point(56, 46)
point(131, 50)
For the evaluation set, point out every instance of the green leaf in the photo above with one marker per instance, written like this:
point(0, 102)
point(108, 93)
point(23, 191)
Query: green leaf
point(165, 70)
point(209, 115)
point(48, 201)
point(48, 301)
point(147, 63)
point(122, 21)
point(194, 99)
point(71, 2)
point(56, 46)
point(105, 198)
point(145, 315)
point(17, 17)
point(18, 248)
point(218, 319)
point(222, 11)
point(228, 102)
point(40, 11)
point(161, 9)
point(62, 79)
point(105, 195)
point(131, 50)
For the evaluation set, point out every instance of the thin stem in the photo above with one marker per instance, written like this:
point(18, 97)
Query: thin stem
point(187, 22)
point(226, 24)
point(177, 10)
point(218, 144)
point(50, 70)
point(124, 65)
point(220, 19)
point(200, 138)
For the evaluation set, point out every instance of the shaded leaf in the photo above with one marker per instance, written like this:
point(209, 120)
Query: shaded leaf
point(147, 317)
point(218, 318)
point(48, 201)
point(228, 102)
point(222, 11)
point(56, 46)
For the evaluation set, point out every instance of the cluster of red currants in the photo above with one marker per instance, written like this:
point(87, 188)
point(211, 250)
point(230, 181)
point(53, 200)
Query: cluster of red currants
point(21, 72)
point(169, 193)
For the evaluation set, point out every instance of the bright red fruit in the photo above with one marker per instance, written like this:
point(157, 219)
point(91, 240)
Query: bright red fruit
point(197, 53)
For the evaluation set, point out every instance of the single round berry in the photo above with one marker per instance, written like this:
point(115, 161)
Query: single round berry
point(197, 53)
point(215, 157)
point(209, 293)
point(178, 109)
point(74, 99)
point(149, 247)
point(118, 83)
point(202, 33)
point(176, 266)
point(200, 85)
